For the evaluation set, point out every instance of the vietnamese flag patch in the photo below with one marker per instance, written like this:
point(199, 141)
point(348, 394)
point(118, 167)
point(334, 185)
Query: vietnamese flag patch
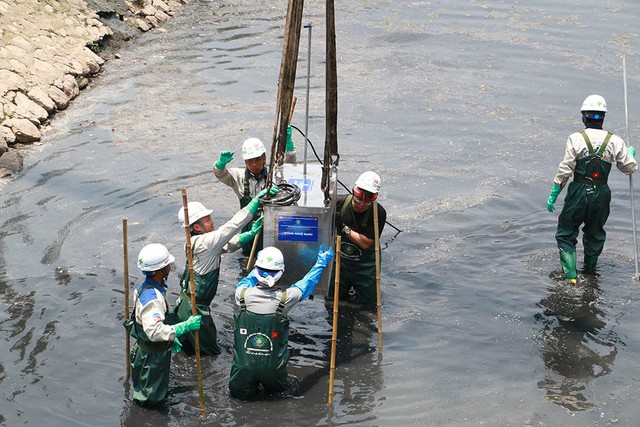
point(243, 331)
point(274, 334)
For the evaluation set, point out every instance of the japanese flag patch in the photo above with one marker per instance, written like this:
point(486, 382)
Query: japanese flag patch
point(243, 331)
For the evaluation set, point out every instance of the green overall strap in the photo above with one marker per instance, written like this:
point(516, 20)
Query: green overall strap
point(154, 347)
point(604, 144)
point(243, 305)
point(586, 139)
point(185, 283)
point(283, 301)
point(281, 305)
point(247, 175)
point(345, 204)
point(602, 147)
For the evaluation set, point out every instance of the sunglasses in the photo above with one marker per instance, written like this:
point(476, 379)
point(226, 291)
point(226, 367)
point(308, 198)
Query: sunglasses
point(361, 194)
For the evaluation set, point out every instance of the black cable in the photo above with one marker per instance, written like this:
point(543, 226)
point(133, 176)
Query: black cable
point(339, 182)
point(288, 195)
point(309, 141)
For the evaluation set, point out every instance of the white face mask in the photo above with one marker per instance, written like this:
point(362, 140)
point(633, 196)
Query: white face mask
point(267, 279)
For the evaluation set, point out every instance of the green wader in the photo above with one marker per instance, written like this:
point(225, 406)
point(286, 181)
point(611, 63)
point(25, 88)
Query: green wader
point(244, 201)
point(150, 363)
point(587, 202)
point(206, 288)
point(260, 353)
point(357, 267)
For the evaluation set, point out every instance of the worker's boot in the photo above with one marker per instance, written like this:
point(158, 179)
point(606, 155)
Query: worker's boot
point(590, 264)
point(568, 262)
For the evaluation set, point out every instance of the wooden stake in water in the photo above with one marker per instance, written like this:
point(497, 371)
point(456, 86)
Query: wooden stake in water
point(192, 286)
point(253, 251)
point(376, 242)
point(334, 334)
point(126, 295)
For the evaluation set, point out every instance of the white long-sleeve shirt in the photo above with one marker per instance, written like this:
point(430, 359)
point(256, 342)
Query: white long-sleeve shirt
point(150, 309)
point(576, 149)
point(234, 177)
point(208, 247)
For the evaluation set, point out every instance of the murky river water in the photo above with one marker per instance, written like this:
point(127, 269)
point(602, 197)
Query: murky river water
point(462, 106)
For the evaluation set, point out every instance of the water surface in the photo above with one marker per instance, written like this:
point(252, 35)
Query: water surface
point(463, 107)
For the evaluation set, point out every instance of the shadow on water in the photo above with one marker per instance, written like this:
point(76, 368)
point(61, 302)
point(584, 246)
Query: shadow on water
point(576, 345)
point(358, 372)
point(353, 342)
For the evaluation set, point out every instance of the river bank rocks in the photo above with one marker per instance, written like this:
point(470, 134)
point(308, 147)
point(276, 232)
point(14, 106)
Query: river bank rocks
point(49, 52)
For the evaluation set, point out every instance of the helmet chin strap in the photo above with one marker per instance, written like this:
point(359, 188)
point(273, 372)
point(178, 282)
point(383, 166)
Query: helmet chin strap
point(193, 228)
point(165, 276)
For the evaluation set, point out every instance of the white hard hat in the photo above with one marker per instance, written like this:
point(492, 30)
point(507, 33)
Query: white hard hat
point(369, 181)
point(196, 211)
point(252, 148)
point(269, 266)
point(594, 103)
point(270, 258)
point(154, 257)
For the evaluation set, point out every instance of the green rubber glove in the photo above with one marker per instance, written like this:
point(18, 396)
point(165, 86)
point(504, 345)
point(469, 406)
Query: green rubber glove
point(631, 151)
point(254, 204)
point(191, 324)
point(289, 146)
point(225, 157)
point(553, 195)
point(256, 226)
point(176, 346)
point(248, 236)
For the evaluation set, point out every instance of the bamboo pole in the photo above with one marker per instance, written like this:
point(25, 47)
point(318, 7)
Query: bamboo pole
point(126, 295)
point(253, 251)
point(377, 243)
point(192, 287)
point(334, 334)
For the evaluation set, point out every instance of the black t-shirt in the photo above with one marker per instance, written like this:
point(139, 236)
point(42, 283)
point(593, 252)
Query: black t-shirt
point(354, 219)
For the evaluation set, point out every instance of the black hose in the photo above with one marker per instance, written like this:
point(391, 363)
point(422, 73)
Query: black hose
point(288, 195)
point(339, 182)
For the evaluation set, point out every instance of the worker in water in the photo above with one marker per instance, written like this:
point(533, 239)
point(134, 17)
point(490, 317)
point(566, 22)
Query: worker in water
point(588, 157)
point(261, 326)
point(355, 223)
point(207, 246)
point(248, 181)
point(155, 338)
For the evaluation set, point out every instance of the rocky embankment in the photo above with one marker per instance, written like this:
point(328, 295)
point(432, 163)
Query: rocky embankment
point(49, 52)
